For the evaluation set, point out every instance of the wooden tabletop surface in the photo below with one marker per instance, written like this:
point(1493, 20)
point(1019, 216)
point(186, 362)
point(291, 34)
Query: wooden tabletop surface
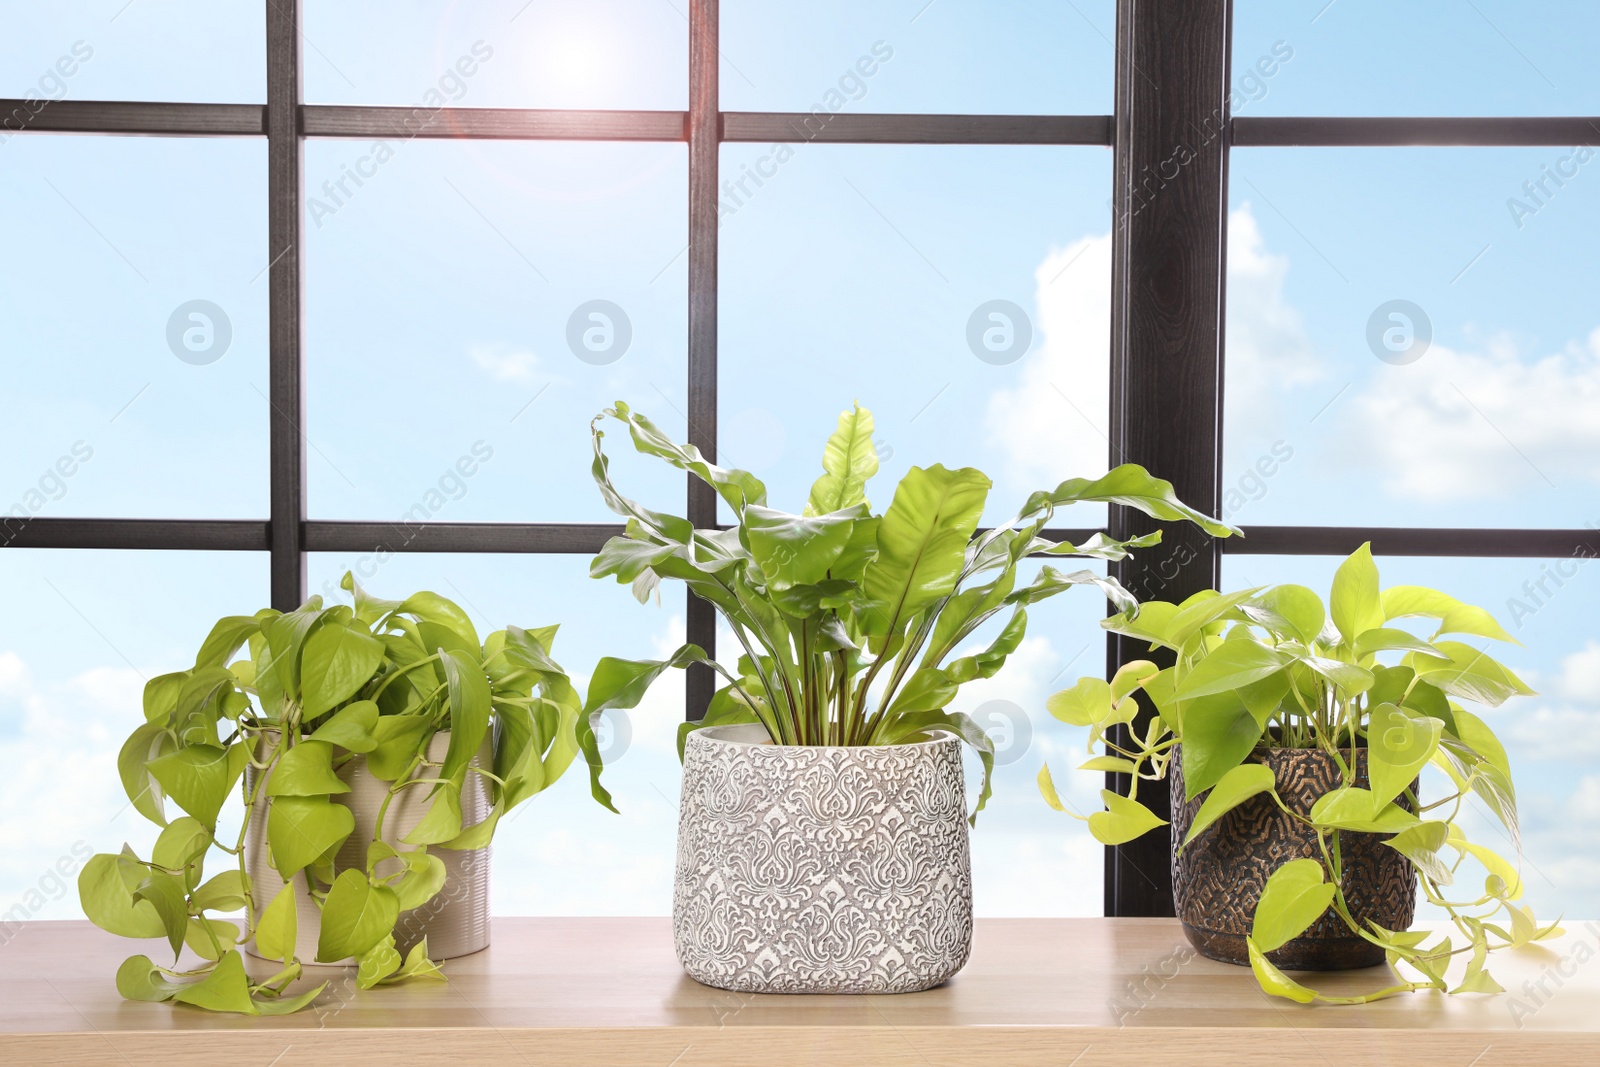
point(1080, 992)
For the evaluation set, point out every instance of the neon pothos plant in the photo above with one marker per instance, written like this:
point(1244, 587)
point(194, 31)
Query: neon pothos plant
point(318, 688)
point(848, 619)
point(1275, 668)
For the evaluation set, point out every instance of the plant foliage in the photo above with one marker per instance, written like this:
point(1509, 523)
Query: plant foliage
point(315, 689)
point(849, 621)
point(1276, 667)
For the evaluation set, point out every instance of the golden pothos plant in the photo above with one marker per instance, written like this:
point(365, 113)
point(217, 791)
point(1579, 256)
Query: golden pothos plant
point(1274, 667)
point(316, 689)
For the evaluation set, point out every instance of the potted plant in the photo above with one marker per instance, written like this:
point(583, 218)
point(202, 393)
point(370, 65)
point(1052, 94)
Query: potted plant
point(822, 836)
point(374, 747)
point(1292, 735)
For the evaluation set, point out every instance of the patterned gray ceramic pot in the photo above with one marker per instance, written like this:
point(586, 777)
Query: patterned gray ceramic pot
point(821, 869)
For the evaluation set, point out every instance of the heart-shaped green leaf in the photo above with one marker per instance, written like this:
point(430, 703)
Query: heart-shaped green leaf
point(356, 916)
point(1085, 703)
point(1237, 786)
point(226, 988)
point(1421, 844)
point(443, 819)
point(1122, 821)
point(225, 892)
point(199, 778)
point(1229, 667)
point(1295, 896)
point(1218, 733)
point(140, 979)
point(1356, 605)
point(145, 744)
point(306, 770)
point(278, 926)
point(1274, 981)
point(301, 829)
point(350, 727)
point(1398, 747)
point(1352, 808)
point(338, 660)
point(183, 841)
point(108, 901)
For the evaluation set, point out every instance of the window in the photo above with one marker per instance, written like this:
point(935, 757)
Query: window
point(268, 340)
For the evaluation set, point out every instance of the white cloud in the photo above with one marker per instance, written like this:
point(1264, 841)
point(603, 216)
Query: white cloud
point(1268, 350)
point(505, 364)
point(1530, 730)
point(1459, 425)
point(1579, 679)
point(1054, 424)
point(60, 797)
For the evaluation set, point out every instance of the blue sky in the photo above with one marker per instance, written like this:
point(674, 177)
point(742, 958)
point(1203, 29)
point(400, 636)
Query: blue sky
point(441, 290)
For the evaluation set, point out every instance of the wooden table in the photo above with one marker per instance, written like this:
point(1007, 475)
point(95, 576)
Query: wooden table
point(1059, 992)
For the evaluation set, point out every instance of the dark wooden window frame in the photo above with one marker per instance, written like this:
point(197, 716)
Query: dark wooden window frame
point(1168, 303)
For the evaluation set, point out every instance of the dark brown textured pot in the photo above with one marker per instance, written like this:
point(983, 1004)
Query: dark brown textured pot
point(1218, 878)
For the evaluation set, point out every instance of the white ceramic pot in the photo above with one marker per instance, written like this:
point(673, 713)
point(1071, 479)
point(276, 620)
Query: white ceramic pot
point(821, 869)
point(455, 921)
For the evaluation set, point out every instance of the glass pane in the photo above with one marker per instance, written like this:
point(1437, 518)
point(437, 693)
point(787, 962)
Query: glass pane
point(1027, 859)
point(1552, 739)
point(962, 294)
point(561, 853)
point(134, 297)
point(1425, 57)
point(73, 664)
point(1032, 58)
point(471, 307)
point(628, 54)
point(1411, 338)
point(211, 51)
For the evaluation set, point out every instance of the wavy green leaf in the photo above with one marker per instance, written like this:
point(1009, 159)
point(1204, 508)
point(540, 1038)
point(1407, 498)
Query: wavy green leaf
point(1133, 486)
point(922, 541)
point(849, 461)
point(796, 549)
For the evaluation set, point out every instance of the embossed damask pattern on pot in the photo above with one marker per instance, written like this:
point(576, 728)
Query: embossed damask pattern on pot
point(821, 870)
point(1218, 878)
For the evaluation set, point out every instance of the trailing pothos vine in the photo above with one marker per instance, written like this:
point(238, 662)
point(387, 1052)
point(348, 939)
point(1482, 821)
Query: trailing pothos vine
point(318, 690)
